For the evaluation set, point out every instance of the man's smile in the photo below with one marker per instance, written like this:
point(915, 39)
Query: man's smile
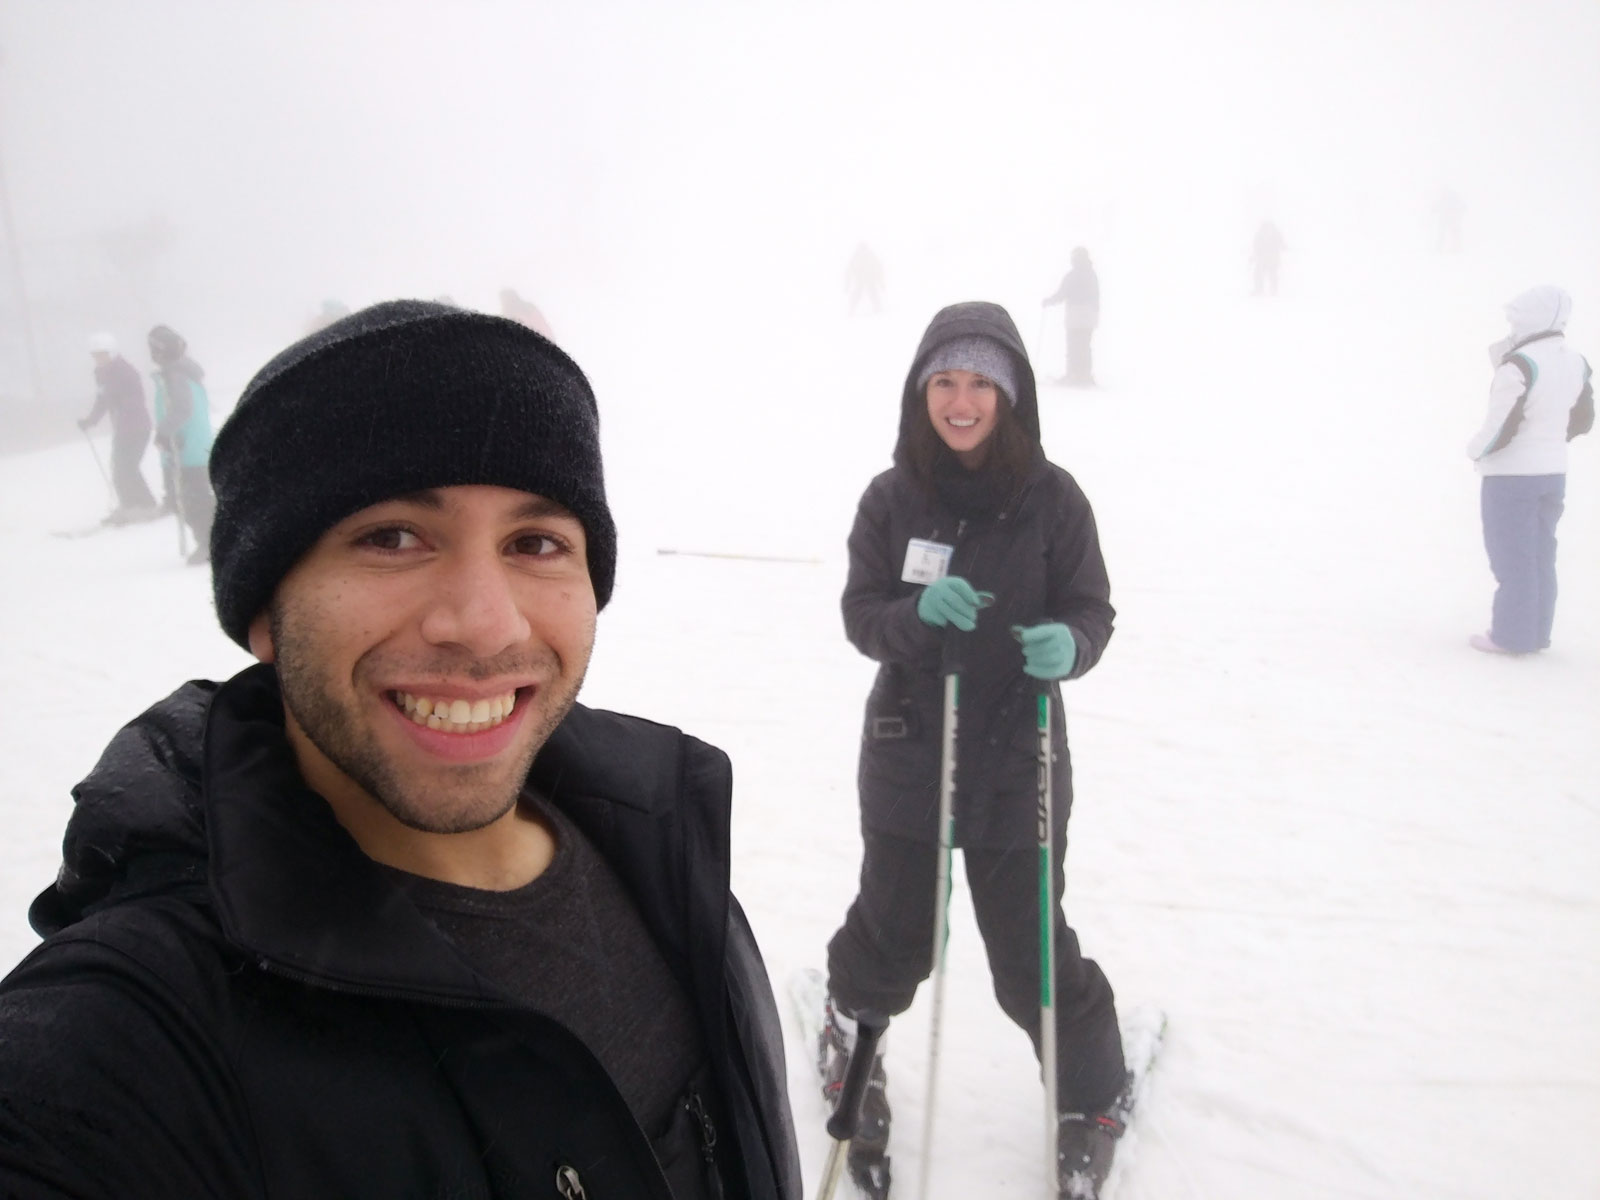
point(456, 715)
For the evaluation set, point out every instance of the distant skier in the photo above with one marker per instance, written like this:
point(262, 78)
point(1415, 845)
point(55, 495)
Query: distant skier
point(327, 314)
point(119, 393)
point(1080, 293)
point(1448, 210)
point(1541, 398)
point(863, 278)
point(525, 313)
point(183, 435)
point(1265, 253)
point(972, 503)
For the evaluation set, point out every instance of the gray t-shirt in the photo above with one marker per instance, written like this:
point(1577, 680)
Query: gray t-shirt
point(572, 945)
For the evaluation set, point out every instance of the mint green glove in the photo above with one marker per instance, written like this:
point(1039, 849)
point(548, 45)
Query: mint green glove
point(1048, 651)
point(952, 601)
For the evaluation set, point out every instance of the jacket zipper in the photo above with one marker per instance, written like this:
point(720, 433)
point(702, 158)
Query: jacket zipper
point(569, 1185)
point(696, 1107)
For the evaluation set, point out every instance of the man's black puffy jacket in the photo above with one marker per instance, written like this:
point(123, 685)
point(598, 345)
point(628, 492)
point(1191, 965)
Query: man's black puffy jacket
point(233, 1001)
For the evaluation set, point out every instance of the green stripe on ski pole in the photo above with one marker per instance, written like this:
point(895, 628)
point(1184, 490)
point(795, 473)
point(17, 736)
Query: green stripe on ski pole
point(1046, 966)
point(1048, 1060)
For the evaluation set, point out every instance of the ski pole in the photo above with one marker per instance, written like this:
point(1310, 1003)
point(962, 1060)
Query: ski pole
point(846, 1118)
point(1047, 937)
point(941, 902)
point(99, 466)
point(171, 455)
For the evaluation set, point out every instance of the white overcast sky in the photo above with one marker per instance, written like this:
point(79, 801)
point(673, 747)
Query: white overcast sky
point(604, 154)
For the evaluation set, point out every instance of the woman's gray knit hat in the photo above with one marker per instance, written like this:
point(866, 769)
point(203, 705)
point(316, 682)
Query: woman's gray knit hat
point(978, 354)
point(397, 398)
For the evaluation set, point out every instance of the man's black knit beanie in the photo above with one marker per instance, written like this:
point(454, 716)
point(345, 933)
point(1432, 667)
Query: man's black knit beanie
point(393, 399)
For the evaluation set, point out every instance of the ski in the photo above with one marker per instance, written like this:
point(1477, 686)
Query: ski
point(1144, 1031)
point(808, 998)
point(140, 517)
point(83, 531)
point(808, 993)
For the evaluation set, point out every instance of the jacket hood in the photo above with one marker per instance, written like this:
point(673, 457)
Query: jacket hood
point(138, 813)
point(967, 319)
point(141, 823)
point(1542, 309)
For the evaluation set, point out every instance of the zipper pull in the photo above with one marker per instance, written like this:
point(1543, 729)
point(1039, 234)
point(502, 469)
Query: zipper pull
point(708, 1142)
point(569, 1185)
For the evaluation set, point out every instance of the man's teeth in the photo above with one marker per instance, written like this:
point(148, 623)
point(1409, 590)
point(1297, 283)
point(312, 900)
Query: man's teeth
point(456, 716)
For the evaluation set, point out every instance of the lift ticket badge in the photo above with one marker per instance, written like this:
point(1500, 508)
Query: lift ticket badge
point(926, 561)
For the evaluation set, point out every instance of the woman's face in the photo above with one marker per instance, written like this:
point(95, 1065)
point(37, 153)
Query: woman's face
point(961, 405)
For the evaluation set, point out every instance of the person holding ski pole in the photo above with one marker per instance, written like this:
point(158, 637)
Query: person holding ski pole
point(183, 435)
point(119, 393)
point(972, 536)
point(1080, 294)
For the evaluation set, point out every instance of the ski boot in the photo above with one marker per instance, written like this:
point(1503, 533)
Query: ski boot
point(1086, 1143)
point(868, 1157)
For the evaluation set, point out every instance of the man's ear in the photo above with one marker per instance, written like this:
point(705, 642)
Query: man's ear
point(260, 637)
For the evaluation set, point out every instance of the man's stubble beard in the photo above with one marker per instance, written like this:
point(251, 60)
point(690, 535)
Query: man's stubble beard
point(336, 731)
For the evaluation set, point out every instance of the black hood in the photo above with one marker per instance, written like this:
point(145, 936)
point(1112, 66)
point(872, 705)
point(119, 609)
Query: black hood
point(969, 318)
point(139, 808)
point(141, 823)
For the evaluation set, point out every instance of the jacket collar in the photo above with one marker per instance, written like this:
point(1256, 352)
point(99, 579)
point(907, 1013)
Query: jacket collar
point(201, 793)
point(292, 887)
point(1535, 337)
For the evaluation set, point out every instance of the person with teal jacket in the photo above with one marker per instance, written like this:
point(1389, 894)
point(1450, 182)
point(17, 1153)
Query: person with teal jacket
point(183, 435)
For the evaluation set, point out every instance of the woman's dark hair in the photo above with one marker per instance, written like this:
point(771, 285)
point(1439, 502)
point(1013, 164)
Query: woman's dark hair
point(1011, 450)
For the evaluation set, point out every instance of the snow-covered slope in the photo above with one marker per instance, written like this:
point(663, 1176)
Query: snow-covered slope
point(1354, 859)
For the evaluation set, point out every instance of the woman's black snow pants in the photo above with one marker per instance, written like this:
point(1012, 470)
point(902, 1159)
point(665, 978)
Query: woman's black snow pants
point(884, 951)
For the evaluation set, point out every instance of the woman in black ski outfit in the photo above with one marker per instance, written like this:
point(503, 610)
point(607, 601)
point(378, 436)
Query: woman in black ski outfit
point(971, 486)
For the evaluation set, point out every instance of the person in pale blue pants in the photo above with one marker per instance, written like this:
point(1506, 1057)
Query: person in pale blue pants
point(1519, 531)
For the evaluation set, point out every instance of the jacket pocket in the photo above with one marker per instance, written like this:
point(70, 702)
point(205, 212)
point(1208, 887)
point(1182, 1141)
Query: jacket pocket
point(899, 724)
point(687, 1149)
point(891, 714)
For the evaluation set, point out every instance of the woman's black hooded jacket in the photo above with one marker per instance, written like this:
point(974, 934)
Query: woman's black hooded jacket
point(1039, 553)
point(233, 1001)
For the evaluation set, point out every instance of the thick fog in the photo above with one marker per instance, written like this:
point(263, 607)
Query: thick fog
point(1353, 858)
point(689, 176)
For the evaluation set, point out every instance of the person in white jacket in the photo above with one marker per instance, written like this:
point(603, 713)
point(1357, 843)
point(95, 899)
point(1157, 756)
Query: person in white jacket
point(1541, 398)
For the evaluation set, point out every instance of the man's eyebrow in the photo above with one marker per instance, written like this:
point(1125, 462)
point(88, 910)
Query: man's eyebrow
point(540, 506)
point(427, 498)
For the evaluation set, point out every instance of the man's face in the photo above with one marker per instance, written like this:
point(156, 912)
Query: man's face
point(426, 648)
